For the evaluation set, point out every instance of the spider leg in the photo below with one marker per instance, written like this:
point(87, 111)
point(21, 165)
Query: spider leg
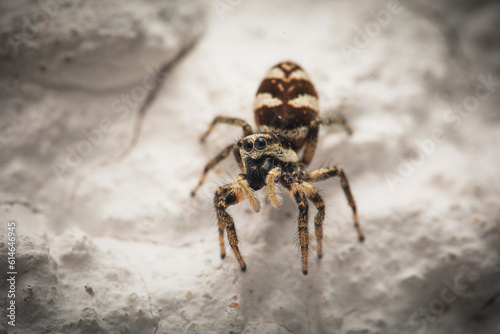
point(311, 142)
point(237, 157)
point(337, 120)
point(212, 163)
point(241, 180)
point(313, 195)
point(225, 196)
point(247, 129)
point(270, 181)
point(326, 173)
point(298, 195)
point(312, 135)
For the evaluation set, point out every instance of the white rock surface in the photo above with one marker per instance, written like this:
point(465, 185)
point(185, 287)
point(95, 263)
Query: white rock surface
point(128, 250)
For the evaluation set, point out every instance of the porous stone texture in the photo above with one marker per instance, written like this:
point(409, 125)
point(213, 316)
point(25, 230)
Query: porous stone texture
point(113, 243)
point(73, 75)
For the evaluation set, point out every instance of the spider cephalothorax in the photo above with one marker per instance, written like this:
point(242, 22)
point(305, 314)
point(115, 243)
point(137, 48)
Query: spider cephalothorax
point(261, 153)
point(286, 113)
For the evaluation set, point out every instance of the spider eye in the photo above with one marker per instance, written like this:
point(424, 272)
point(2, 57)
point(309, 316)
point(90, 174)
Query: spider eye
point(272, 140)
point(260, 143)
point(239, 144)
point(247, 145)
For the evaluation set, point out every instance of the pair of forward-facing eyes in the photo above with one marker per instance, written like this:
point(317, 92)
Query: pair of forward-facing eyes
point(260, 143)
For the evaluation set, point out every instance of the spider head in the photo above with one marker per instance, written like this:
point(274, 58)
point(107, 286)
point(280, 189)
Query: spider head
point(261, 152)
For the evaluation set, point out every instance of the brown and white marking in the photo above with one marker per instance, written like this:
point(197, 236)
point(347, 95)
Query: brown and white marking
point(286, 103)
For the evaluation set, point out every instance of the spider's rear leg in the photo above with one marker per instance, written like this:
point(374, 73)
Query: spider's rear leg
point(298, 195)
point(312, 135)
point(326, 173)
point(225, 196)
point(313, 195)
point(212, 163)
point(337, 120)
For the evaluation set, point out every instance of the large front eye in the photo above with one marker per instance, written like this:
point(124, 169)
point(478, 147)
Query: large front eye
point(260, 143)
point(247, 145)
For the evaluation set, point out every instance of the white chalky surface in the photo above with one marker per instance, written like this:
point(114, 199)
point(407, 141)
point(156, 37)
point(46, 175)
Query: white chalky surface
point(127, 250)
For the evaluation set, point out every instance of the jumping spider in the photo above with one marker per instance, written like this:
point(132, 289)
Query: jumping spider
point(286, 114)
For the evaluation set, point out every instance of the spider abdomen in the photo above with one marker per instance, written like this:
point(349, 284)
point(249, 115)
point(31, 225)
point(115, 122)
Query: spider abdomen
point(286, 103)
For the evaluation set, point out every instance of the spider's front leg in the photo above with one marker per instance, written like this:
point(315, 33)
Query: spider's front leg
point(247, 129)
point(226, 151)
point(212, 163)
point(225, 196)
point(313, 195)
point(299, 196)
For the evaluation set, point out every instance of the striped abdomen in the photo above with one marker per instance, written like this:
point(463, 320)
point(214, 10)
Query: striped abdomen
point(286, 103)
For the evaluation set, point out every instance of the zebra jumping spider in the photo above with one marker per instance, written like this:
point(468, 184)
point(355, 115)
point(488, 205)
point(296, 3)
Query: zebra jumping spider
point(287, 119)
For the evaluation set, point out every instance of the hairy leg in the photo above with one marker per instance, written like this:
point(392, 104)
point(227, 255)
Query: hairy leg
point(247, 129)
point(224, 153)
point(325, 173)
point(211, 164)
point(298, 195)
point(337, 120)
point(313, 195)
point(237, 157)
point(312, 136)
point(225, 196)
